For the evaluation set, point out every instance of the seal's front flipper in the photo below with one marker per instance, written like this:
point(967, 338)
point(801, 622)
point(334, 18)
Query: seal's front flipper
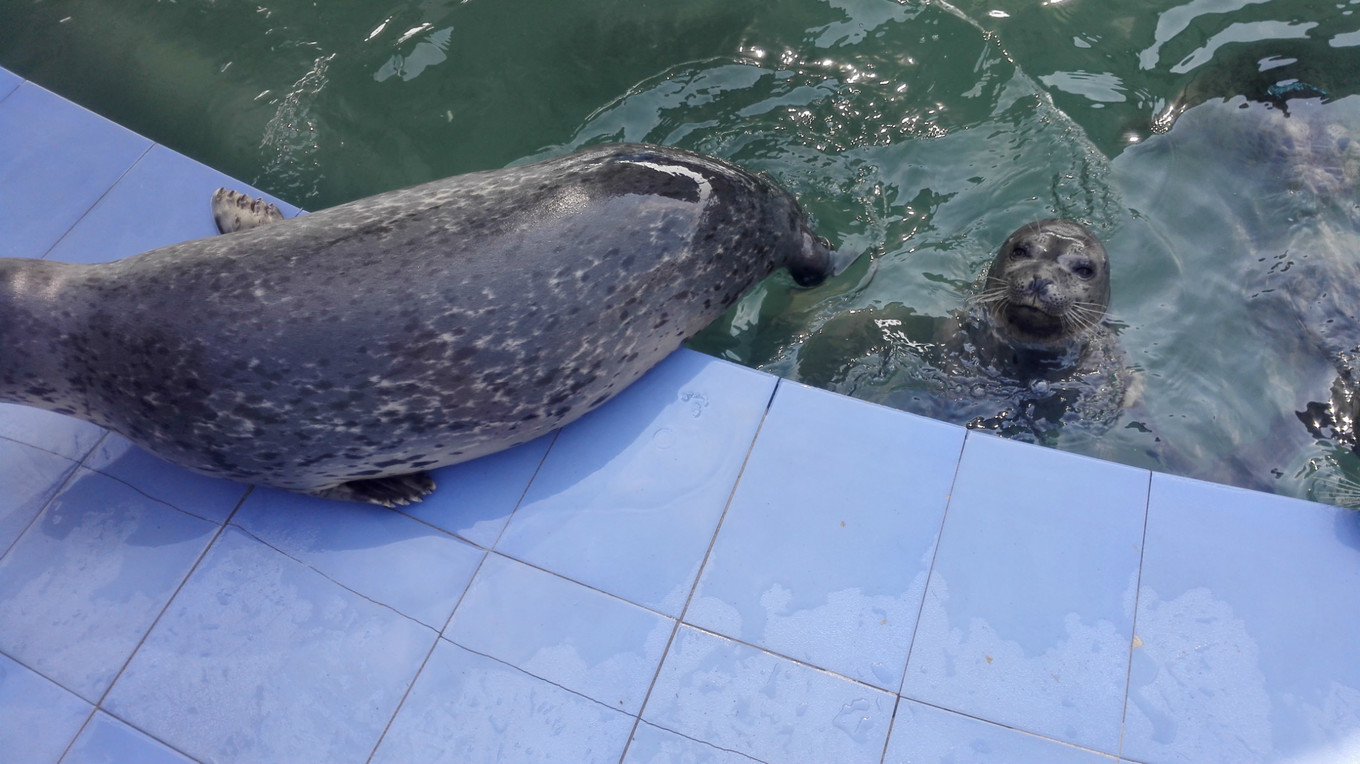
point(235, 211)
point(392, 491)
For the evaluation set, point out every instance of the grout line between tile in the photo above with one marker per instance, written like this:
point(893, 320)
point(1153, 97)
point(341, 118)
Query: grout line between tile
point(892, 722)
point(704, 743)
point(1018, 730)
point(397, 710)
point(1137, 594)
point(96, 711)
point(439, 633)
point(321, 573)
point(486, 550)
point(102, 196)
point(934, 555)
point(675, 629)
point(61, 486)
point(99, 704)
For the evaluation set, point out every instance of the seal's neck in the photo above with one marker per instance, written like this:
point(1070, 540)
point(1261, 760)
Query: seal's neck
point(37, 314)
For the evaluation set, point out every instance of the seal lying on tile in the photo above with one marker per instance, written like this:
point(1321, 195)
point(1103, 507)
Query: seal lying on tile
point(345, 352)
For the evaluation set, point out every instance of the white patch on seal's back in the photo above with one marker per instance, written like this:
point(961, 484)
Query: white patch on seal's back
point(705, 188)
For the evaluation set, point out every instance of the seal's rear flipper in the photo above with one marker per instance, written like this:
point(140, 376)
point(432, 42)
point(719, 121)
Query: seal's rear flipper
point(392, 491)
point(235, 211)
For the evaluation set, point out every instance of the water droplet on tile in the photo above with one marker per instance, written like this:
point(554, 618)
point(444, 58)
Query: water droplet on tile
point(697, 403)
point(853, 720)
point(663, 438)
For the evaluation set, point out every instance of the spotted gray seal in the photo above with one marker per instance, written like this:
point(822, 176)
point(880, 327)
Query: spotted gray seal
point(1029, 354)
point(345, 352)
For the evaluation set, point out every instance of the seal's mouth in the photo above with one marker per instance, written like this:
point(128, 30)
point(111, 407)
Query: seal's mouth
point(1033, 321)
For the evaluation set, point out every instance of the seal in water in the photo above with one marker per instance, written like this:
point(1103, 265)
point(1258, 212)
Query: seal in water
point(344, 352)
point(1029, 353)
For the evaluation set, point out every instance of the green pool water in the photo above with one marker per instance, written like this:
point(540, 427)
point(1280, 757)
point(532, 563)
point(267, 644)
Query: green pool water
point(919, 132)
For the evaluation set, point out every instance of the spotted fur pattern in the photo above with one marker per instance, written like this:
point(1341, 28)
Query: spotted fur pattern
point(406, 331)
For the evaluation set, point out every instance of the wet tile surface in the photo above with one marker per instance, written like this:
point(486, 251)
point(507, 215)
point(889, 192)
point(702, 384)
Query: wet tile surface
point(176, 187)
point(467, 707)
point(478, 497)
point(924, 733)
point(59, 159)
point(628, 498)
point(59, 434)
point(831, 571)
point(38, 718)
point(106, 740)
point(742, 699)
point(84, 583)
point(30, 478)
point(149, 614)
point(383, 555)
point(1247, 627)
point(577, 638)
point(209, 498)
point(260, 658)
point(1028, 615)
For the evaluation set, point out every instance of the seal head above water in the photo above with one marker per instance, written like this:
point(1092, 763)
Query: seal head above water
point(1048, 286)
point(345, 352)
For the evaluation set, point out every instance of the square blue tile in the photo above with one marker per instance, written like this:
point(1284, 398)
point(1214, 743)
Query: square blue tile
point(9, 81)
point(1028, 616)
point(38, 719)
point(924, 733)
point(1247, 629)
point(474, 499)
point(653, 745)
point(29, 477)
point(831, 570)
point(209, 498)
point(576, 638)
point(59, 159)
point(386, 556)
point(62, 435)
point(85, 582)
point(259, 658)
point(741, 699)
point(469, 708)
point(629, 496)
point(105, 740)
point(178, 188)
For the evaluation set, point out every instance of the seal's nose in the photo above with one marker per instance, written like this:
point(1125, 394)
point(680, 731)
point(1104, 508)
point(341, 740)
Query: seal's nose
point(816, 261)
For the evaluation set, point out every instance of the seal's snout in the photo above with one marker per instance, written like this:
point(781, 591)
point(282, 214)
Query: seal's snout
point(812, 264)
point(816, 262)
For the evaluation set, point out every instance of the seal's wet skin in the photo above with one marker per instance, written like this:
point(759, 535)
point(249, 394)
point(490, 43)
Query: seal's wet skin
point(1029, 355)
point(345, 352)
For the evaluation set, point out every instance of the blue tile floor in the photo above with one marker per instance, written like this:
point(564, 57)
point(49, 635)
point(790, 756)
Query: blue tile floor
point(717, 566)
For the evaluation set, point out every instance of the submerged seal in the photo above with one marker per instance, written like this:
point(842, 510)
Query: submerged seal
point(344, 352)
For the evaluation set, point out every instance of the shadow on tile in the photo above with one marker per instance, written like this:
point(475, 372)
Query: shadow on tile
point(212, 499)
point(382, 554)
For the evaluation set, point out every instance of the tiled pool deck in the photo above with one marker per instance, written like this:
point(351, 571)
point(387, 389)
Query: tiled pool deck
point(715, 567)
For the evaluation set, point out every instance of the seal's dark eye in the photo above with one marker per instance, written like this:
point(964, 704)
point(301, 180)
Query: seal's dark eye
point(1020, 251)
point(1084, 271)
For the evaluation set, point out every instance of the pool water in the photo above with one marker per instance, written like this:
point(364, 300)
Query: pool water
point(919, 132)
